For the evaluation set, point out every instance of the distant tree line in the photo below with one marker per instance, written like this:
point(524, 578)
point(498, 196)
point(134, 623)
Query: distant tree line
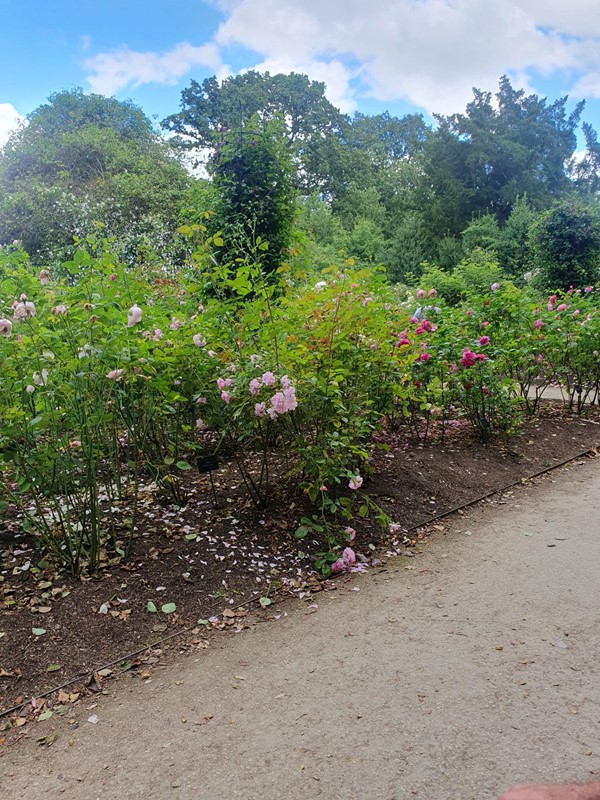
point(497, 188)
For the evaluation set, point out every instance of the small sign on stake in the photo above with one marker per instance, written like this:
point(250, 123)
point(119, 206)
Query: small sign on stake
point(208, 464)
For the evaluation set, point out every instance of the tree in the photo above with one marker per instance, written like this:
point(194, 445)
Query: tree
point(212, 112)
point(587, 171)
point(483, 232)
point(483, 160)
point(254, 196)
point(566, 242)
point(84, 161)
point(407, 249)
point(514, 247)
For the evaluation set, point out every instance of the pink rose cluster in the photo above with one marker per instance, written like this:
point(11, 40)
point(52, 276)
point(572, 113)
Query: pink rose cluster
point(23, 309)
point(347, 563)
point(224, 384)
point(552, 300)
point(469, 358)
point(280, 402)
point(425, 327)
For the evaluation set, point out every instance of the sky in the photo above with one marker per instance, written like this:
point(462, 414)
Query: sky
point(403, 56)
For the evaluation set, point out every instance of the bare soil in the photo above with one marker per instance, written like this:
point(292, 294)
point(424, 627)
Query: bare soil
point(210, 561)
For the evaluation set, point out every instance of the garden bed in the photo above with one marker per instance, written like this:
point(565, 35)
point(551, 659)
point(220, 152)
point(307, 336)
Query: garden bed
point(205, 560)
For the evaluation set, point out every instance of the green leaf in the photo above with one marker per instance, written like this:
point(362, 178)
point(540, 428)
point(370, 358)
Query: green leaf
point(53, 667)
point(363, 511)
point(151, 607)
point(38, 631)
point(183, 465)
point(45, 715)
point(265, 601)
point(301, 532)
point(168, 608)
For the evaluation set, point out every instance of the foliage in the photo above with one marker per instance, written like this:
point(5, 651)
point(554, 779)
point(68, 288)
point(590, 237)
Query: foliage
point(477, 272)
point(448, 286)
point(566, 242)
point(408, 248)
point(254, 199)
point(482, 232)
point(212, 113)
point(514, 246)
point(483, 160)
point(87, 162)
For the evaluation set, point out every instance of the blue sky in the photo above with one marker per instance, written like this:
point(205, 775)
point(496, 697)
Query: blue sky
point(400, 55)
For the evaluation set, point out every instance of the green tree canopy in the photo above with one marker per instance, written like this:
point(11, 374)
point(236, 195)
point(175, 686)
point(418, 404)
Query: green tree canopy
point(212, 113)
point(254, 197)
point(566, 243)
point(482, 160)
point(85, 160)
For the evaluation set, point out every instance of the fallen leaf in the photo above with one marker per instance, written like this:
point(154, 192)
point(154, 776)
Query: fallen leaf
point(151, 607)
point(49, 739)
point(265, 601)
point(168, 608)
point(45, 715)
point(53, 667)
point(104, 673)
point(38, 631)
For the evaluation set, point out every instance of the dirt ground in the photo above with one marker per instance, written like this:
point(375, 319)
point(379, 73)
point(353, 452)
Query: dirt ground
point(446, 676)
point(206, 560)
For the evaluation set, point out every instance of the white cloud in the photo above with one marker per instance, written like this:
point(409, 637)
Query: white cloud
point(429, 52)
point(9, 119)
point(575, 18)
point(124, 67)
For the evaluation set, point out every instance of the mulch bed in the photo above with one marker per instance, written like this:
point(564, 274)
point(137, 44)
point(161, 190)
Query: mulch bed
point(208, 561)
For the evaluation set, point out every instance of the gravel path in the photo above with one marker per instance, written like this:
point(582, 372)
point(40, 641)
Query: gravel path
point(447, 676)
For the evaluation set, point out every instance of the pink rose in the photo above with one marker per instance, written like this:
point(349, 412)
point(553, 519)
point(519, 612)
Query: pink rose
point(483, 340)
point(356, 482)
point(254, 387)
point(134, 316)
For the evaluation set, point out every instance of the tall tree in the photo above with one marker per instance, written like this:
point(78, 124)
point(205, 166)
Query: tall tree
point(212, 113)
point(254, 197)
point(496, 152)
point(587, 171)
point(82, 161)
